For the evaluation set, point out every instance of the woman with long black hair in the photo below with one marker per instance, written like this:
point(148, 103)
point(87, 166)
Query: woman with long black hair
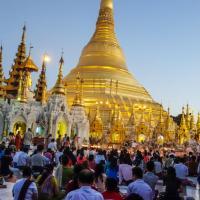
point(47, 184)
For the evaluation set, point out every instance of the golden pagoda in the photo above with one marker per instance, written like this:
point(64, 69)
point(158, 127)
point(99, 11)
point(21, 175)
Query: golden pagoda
point(23, 64)
point(2, 87)
point(102, 61)
point(41, 86)
point(59, 87)
point(198, 128)
point(183, 132)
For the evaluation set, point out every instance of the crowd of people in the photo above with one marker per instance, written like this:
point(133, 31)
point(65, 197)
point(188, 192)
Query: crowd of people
point(58, 169)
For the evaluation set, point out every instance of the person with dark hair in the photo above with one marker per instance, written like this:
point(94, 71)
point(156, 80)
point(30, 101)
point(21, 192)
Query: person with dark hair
point(91, 161)
point(86, 180)
point(6, 161)
point(112, 191)
point(134, 196)
point(149, 177)
point(24, 158)
point(173, 185)
point(73, 184)
point(81, 157)
point(100, 178)
point(25, 188)
point(38, 161)
point(192, 166)
point(138, 185)
point(52, 145)
point(112, 167)
point(47, 184)
point(125, 170)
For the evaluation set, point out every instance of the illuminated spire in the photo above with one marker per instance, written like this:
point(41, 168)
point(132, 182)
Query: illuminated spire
point(107, 4)
point(21, 93)
point(41, 86)
point(198, 123)
point(183, 122)
point(192, 123)
point(59, 87)
point(187, 117)
point(18, 66)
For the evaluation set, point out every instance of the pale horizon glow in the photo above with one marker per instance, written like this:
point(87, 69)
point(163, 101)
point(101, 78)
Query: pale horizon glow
point(160, 39)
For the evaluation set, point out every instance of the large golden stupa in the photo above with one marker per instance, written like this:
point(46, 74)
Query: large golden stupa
point(109, 92)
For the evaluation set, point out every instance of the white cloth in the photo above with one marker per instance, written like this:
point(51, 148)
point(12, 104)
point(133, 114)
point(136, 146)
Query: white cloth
point(84, 193)
point(28, 138)
point(31, 189)
point(181, 171)
point(52, 146)
point(57, 157)
point(125, 173)
point(141, 188)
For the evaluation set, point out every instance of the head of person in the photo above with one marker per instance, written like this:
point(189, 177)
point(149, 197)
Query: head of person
point(86, 178)
point(99, 170)
point(65, 160)
point(150, 166)
point(134, 196)
point(27, 172)
point(29, 129)
point(111, 185)
point(40, 148)
point(171, 173)
point(85, 164)
point(91, 157)
point(52, 140)
point(48, 170)
point(25, 149)
point(137, 173)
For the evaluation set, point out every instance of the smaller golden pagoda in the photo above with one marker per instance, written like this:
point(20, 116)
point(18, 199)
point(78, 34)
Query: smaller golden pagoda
point(198, 128)
point(41, 86)
point(183, 132)
point(2, 87)
point(96, 127)
point(59, 88)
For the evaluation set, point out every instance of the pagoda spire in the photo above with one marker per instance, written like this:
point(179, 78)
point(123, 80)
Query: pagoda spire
point(183, 121)
point(198, 122)
point(41, 86)
point(192, 123)
point(13, 81)
point(59, 87)
point(2, 89)
point(103, 49)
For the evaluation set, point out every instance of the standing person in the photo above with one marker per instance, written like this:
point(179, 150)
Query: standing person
point(25, 188)
point(28, 136)
point(47, 184)
point(38, 161)
point(59, 142)
point(23, 159)
point(181, 169)
point(138, 185)
point(85, 192)
point(150, 178)
point(6, 161)
point(52, 145)
point(18, 141)
point(173, 185)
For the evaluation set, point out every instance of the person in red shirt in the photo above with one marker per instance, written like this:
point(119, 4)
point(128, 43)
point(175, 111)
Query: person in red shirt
point(112, 191)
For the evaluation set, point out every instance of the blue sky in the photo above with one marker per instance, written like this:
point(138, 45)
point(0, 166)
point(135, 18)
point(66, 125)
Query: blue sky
point(160, 38)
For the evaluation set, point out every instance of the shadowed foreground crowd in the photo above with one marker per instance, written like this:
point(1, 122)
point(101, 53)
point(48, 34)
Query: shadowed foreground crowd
point(60, 171)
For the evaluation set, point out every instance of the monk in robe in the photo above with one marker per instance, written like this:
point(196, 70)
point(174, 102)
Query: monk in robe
point(18, 141)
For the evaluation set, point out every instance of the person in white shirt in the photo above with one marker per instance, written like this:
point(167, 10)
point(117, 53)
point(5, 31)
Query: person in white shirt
point(25, 188)
point(16, 158)
point(86, 180)
point(138, 186)
point(52, 145)
point(181, 169)
point(28, 136)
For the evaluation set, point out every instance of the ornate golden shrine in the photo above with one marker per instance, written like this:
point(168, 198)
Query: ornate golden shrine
point(19, 126)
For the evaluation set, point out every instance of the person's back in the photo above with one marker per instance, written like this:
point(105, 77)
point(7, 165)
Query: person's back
point(125, 173)
point(85, 192)
point(38, 160)
point(25, 188)
point(149, 177)
point(23, 159)
point(27, 138)
point(138, 186)
point(181, 171)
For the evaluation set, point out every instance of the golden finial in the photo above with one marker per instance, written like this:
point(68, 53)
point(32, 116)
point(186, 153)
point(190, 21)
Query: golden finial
point(59, 87)
point(106, 4)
